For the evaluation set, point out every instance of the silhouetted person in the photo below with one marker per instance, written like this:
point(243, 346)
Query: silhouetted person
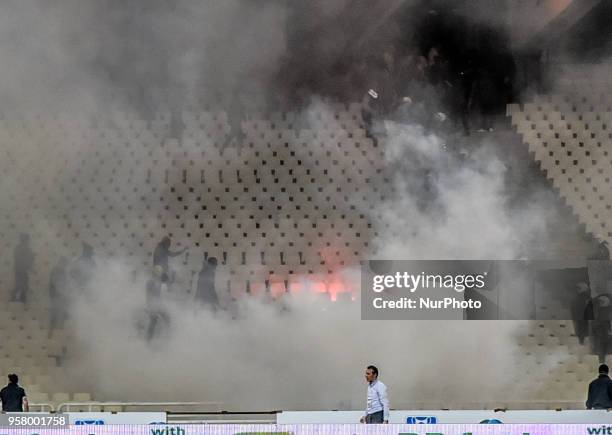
point(603, 253)
point(465, 93)
point(206, 293)
point(83, 269)
point(486, 98)
point(161, 256)
point(23, 262)
point(58, 294)
point(14, 397)
point(507, 66)
point(156, 314)
point(579, 311)
point(154, 283)
point(600, 390)
point(601, 325)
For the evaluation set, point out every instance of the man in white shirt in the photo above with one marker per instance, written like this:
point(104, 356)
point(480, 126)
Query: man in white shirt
point(377, 409)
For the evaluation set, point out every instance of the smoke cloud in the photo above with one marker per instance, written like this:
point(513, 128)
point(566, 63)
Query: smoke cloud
point(305, 355)
point(302, 353)
point(75, 56)
point(443, 199)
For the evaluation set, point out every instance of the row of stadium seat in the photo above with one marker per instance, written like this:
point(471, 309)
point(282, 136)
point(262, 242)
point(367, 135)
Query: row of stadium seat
point(573, 150)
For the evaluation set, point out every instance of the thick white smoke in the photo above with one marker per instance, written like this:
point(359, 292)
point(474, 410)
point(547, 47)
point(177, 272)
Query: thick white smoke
point(88, 58)
point(305, 354)
point(301, 354)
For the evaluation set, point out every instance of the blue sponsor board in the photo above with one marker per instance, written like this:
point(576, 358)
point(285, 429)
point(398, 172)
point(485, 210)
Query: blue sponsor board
point(431, 419)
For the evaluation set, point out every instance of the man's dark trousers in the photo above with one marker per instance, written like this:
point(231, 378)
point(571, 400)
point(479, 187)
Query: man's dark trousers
point(375, 418)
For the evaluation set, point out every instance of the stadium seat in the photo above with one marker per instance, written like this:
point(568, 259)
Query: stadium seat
point(81, 397)
point(59, 398)
point(37, 398)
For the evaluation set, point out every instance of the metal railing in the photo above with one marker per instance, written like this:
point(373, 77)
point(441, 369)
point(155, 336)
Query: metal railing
point(41, 407)
point(196, 412)
point(506, 405)
point(223, 417)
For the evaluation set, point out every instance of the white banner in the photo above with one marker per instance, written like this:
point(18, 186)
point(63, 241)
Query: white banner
point(451, 417)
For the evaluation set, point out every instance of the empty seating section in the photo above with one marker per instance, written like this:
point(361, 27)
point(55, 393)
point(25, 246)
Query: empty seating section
point(555, 365)
point(570, 135)
point(27, 348)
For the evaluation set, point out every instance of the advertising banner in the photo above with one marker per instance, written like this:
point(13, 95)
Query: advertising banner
point(321, 429)
point(453, 417)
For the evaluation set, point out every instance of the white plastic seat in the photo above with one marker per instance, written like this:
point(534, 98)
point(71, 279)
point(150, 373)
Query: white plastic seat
point(59, 398)
point(81, 397)
point(38, 397)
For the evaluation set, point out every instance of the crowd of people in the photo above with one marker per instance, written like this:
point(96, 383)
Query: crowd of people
point(73, 277)
point(65, 277)
point(431, 91)
point(591, 312)
point(424, 64)
point(163, 276)
point(401, 83)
